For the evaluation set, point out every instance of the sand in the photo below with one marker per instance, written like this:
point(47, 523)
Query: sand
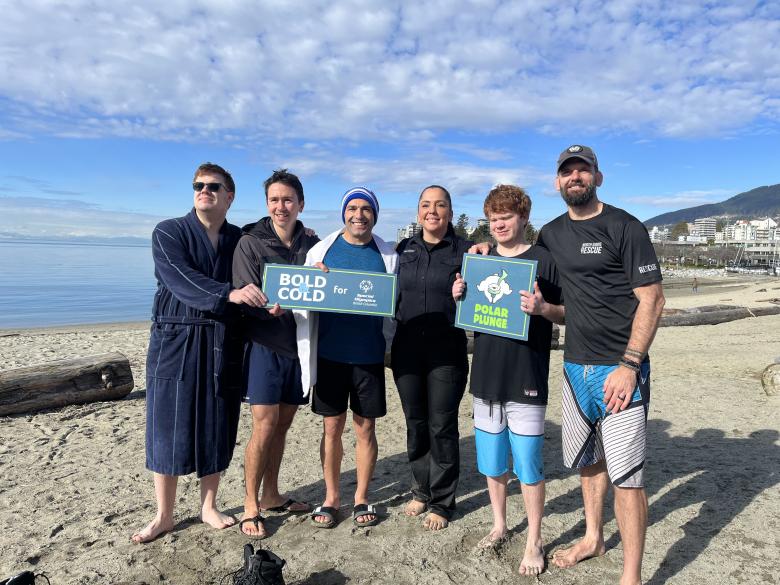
point(73, 486)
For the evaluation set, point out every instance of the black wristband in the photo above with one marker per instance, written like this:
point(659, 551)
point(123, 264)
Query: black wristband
point(633, 366)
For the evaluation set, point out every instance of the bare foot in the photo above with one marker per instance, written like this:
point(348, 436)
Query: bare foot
point(415, 508)
point(154, 529)
point(435, 522)
point(493, 539)
point(533, 560)
point(217, 519)
point(579, 551)
point(252, 525)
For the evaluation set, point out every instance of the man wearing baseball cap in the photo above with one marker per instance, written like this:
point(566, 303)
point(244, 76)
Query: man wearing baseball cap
point(612, 285)
point(342, 357)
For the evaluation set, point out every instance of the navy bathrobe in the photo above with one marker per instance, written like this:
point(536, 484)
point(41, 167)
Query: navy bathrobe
point(193, 366)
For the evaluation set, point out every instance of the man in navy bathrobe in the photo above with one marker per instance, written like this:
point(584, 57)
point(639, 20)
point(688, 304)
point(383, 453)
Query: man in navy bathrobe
point(193, 365)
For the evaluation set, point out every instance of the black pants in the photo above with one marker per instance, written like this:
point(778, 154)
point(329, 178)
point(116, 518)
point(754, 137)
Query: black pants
point(430, 374)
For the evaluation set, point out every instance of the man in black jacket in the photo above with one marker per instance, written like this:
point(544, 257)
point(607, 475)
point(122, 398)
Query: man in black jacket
point(272, 379)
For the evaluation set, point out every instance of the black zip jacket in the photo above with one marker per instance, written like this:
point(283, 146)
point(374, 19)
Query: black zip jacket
point(425, 278)
point(259, 245)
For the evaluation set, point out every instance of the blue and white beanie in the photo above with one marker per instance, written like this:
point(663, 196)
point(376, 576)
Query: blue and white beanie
point(360, 193)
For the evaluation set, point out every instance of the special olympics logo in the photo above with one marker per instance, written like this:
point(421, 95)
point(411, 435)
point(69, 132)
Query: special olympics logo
point(575, 148)
point(366, 285)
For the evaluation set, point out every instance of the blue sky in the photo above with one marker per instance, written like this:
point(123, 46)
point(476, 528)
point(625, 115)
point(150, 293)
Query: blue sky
point(106, 108)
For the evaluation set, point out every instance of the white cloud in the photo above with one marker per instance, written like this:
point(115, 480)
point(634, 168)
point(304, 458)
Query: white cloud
point(40, 217)
point(683, 199)
point(409, 174)
point(400, 70)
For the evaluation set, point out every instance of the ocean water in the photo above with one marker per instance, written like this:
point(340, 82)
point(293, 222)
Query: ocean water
point(45, 283)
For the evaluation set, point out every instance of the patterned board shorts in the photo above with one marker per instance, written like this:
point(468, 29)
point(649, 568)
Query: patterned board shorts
point(591, 434)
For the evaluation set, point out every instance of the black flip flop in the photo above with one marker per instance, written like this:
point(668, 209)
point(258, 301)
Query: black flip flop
point(285, 507)
point(257, 521)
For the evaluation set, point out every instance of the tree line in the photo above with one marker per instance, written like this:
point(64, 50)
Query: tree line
point(482, 233)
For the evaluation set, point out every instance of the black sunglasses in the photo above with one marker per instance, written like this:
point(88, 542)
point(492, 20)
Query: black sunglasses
point(213, 187)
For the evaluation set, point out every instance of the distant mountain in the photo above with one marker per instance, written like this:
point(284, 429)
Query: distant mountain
point(11, 237)
point(754, 204)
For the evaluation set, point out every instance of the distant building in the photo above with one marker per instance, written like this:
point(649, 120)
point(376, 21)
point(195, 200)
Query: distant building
point(766, 229)
point(739, 231)
point(691, 239)
point(408, 231)
point(757, 230)
point(705, 227)
point(659, 235)
point(480, 222)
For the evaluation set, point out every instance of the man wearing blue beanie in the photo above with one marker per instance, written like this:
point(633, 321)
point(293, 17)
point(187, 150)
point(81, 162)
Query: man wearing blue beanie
point(360, 193)
point(342, 357)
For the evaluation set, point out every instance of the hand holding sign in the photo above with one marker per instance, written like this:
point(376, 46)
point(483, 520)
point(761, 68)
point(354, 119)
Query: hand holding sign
point(532, 303)
point(458, 287)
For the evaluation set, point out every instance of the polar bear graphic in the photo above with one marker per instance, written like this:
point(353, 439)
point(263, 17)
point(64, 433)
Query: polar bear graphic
point(495, 287)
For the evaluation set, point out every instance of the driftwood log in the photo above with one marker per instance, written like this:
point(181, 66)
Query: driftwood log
point(59, 383)
point(713, 314)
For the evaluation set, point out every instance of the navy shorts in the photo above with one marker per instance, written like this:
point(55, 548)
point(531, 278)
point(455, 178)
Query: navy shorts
point(271, 378)
point(362, 385)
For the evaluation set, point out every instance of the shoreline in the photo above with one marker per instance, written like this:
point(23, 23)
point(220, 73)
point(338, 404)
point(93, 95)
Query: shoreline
point(79, 327)
point(675, 288)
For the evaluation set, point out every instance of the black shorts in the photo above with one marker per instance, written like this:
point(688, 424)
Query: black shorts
point(363, 385)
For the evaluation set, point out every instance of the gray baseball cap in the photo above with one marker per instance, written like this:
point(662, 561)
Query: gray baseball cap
point(578, 151)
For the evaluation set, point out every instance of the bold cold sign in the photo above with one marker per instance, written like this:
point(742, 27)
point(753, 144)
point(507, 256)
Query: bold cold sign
point(342, 291)
point(301, 287)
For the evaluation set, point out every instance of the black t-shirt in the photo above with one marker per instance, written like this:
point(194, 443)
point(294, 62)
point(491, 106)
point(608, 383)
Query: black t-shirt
point(504, 369)
point(601, 260)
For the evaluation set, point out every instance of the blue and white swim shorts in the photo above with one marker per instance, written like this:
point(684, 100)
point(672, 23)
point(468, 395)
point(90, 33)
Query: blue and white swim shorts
point(591, 434)
point(503, 426)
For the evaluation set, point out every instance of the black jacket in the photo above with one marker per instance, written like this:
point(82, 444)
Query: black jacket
point(259, 245)
point(425, 279)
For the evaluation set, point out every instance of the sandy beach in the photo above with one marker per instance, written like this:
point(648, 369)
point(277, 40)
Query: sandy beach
point(74, 486)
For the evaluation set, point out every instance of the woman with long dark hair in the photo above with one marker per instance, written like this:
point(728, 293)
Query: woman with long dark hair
point(429, 360)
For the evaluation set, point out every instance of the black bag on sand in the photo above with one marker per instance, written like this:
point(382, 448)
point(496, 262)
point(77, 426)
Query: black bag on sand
point(260, 568)
point(23, 578)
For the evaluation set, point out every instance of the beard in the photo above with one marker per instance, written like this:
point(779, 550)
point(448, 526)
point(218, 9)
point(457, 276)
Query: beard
point(581, 199)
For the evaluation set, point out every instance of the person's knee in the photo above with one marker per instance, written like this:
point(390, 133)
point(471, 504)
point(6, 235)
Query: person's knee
point(630, 495)
point(365, 428)
point(286, 416)
point(333, 426)
point(444, 427)
point(265, 414)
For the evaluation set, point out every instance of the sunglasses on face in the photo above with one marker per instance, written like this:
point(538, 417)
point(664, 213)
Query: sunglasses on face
point(213, 187)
